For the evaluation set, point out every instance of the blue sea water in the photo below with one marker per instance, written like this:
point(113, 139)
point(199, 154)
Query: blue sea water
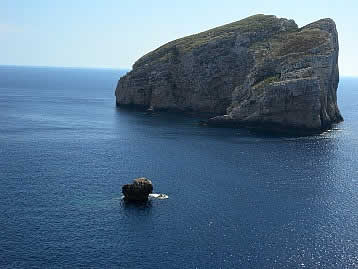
point(237, 199)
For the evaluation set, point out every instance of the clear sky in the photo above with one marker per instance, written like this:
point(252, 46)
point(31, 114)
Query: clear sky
point(115, 33)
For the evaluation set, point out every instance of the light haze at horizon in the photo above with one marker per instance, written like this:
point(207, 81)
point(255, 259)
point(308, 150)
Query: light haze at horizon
point(115, 34)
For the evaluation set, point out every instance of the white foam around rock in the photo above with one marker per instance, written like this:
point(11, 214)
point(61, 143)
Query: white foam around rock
point(158, 196)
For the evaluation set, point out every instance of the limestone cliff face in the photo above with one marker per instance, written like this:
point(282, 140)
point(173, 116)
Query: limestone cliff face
point(261, 71)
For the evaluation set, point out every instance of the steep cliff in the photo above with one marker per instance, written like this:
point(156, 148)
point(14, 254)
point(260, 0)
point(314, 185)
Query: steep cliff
point(261, 71)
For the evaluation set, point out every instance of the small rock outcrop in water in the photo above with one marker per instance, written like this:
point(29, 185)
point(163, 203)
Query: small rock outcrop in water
point(138, 191)
point(261, 71)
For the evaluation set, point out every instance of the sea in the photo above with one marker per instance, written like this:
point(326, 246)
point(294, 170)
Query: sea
point(237, 198)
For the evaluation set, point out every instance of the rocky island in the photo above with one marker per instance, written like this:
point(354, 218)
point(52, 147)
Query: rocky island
point(261, 71)
point(138, 191)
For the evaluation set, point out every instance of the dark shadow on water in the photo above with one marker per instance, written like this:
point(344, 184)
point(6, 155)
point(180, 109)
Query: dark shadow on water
point(173, 125)
point(165, 113)
point(137, 212)
point(129, 205)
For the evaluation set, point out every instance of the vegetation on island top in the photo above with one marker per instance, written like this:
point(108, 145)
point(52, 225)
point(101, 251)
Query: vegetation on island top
point(225, 32)
point(294, 40)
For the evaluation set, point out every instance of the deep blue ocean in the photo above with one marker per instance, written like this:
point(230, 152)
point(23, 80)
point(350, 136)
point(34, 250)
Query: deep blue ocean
point(237, 199)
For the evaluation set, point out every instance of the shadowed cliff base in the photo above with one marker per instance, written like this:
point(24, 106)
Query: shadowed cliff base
point(261, 71)
point(272, 128)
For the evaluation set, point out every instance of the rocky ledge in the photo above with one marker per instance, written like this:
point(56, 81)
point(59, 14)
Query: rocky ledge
point(262, 71)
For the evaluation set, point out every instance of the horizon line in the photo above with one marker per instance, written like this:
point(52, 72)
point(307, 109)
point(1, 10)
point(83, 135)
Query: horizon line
point(60, 66)
point(103, 67)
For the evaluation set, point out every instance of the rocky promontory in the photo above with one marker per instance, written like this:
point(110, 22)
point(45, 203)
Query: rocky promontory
point(262, 71)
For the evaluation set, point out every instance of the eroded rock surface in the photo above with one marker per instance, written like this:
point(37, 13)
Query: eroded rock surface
point(138, 191)
point(261, 71)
